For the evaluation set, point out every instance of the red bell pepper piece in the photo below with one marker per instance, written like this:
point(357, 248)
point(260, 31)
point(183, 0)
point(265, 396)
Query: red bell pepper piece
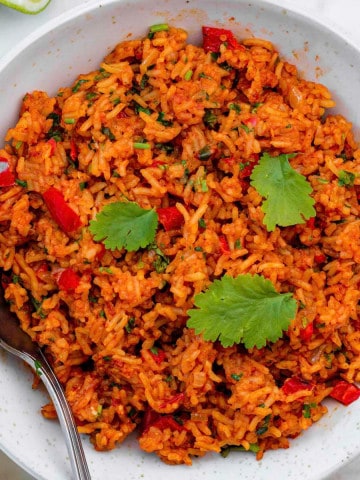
point(345, 392)
point(61, 212)
point(157, 354)
point(295, 384)
point(7, 178)
point(73, 150)
point(68, 280)
point(247, 168)
point(213, 37)
point(170, 218)
point(224, 246)
point(321, 258)
point(155, 419)
point(167, 421)
point(310, 223)
point(52, 143)
point(306, 333)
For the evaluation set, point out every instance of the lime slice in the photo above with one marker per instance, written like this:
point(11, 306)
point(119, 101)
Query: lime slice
point(26, 6)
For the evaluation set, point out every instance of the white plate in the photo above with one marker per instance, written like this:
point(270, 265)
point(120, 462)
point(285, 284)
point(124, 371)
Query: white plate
point(75, 43)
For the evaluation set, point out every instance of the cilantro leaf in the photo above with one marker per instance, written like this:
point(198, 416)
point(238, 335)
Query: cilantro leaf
point(124, 225)
point(287, 192)
point(246, 309)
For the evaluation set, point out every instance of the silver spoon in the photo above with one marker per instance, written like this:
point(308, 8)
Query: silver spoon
point(16, 341)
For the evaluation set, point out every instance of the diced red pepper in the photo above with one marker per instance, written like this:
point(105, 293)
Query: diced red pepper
point(7, 178)
point(167, 421)
point(345, 392)
point(296, 384)
point(68, 280)
point(157, 163)
point(61, 212)
point(213, 37)
point(101, 252)
point(306, 333)
point(311, 223)
point(41, 269)
point(251, 121)
point(155, 419)
point(122, 114)
point(158, 355)
point(229, 160)
point(52, 143)
point(320, 258)
point(224, 246)
point(73, 150)
point(170, 218)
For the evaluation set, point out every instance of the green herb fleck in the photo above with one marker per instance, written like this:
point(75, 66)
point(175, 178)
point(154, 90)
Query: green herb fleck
point(107, 132)
point(346, 179)
point(21, 183)
point(69, 121)
point(78, 84)
point(38, 367)
point(130, 325)
point(141, 146)
point(161, 119)
point(235, 106)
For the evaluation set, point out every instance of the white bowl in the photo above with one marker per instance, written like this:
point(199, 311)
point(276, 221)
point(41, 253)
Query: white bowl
point(52, 57)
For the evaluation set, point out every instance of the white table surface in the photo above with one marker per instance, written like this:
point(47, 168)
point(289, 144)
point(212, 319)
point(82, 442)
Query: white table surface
point(14, 26)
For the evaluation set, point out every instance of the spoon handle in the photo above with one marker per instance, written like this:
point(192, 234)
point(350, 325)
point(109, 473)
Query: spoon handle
point(65, 416)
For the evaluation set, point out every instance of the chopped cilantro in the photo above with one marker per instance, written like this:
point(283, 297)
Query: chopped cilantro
point(264, 426)
point(307, 409)
point(205, 152)
point(106, 131)
point(237, 243)
point(101, 75)
point(124, 225)
point(130, 325)
point(161, 119)
point(253, 447)
point(255, 106)
point(38, 367)
point(209, 118)
point(21, 183)
point(246, 128)
point(78, 84)
point(346, 179)
point(38, 307)
point(202, 223)
point(235, 106)
point(168, 148)
point(69, 121)
point(287, 192)
point(144, 81)
point(138, 108)
point(91, 95)
point(188, 75)
point(141, 145)
point(162, 261)
point(246, 309)
point(159, 27)
point(105, 270)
